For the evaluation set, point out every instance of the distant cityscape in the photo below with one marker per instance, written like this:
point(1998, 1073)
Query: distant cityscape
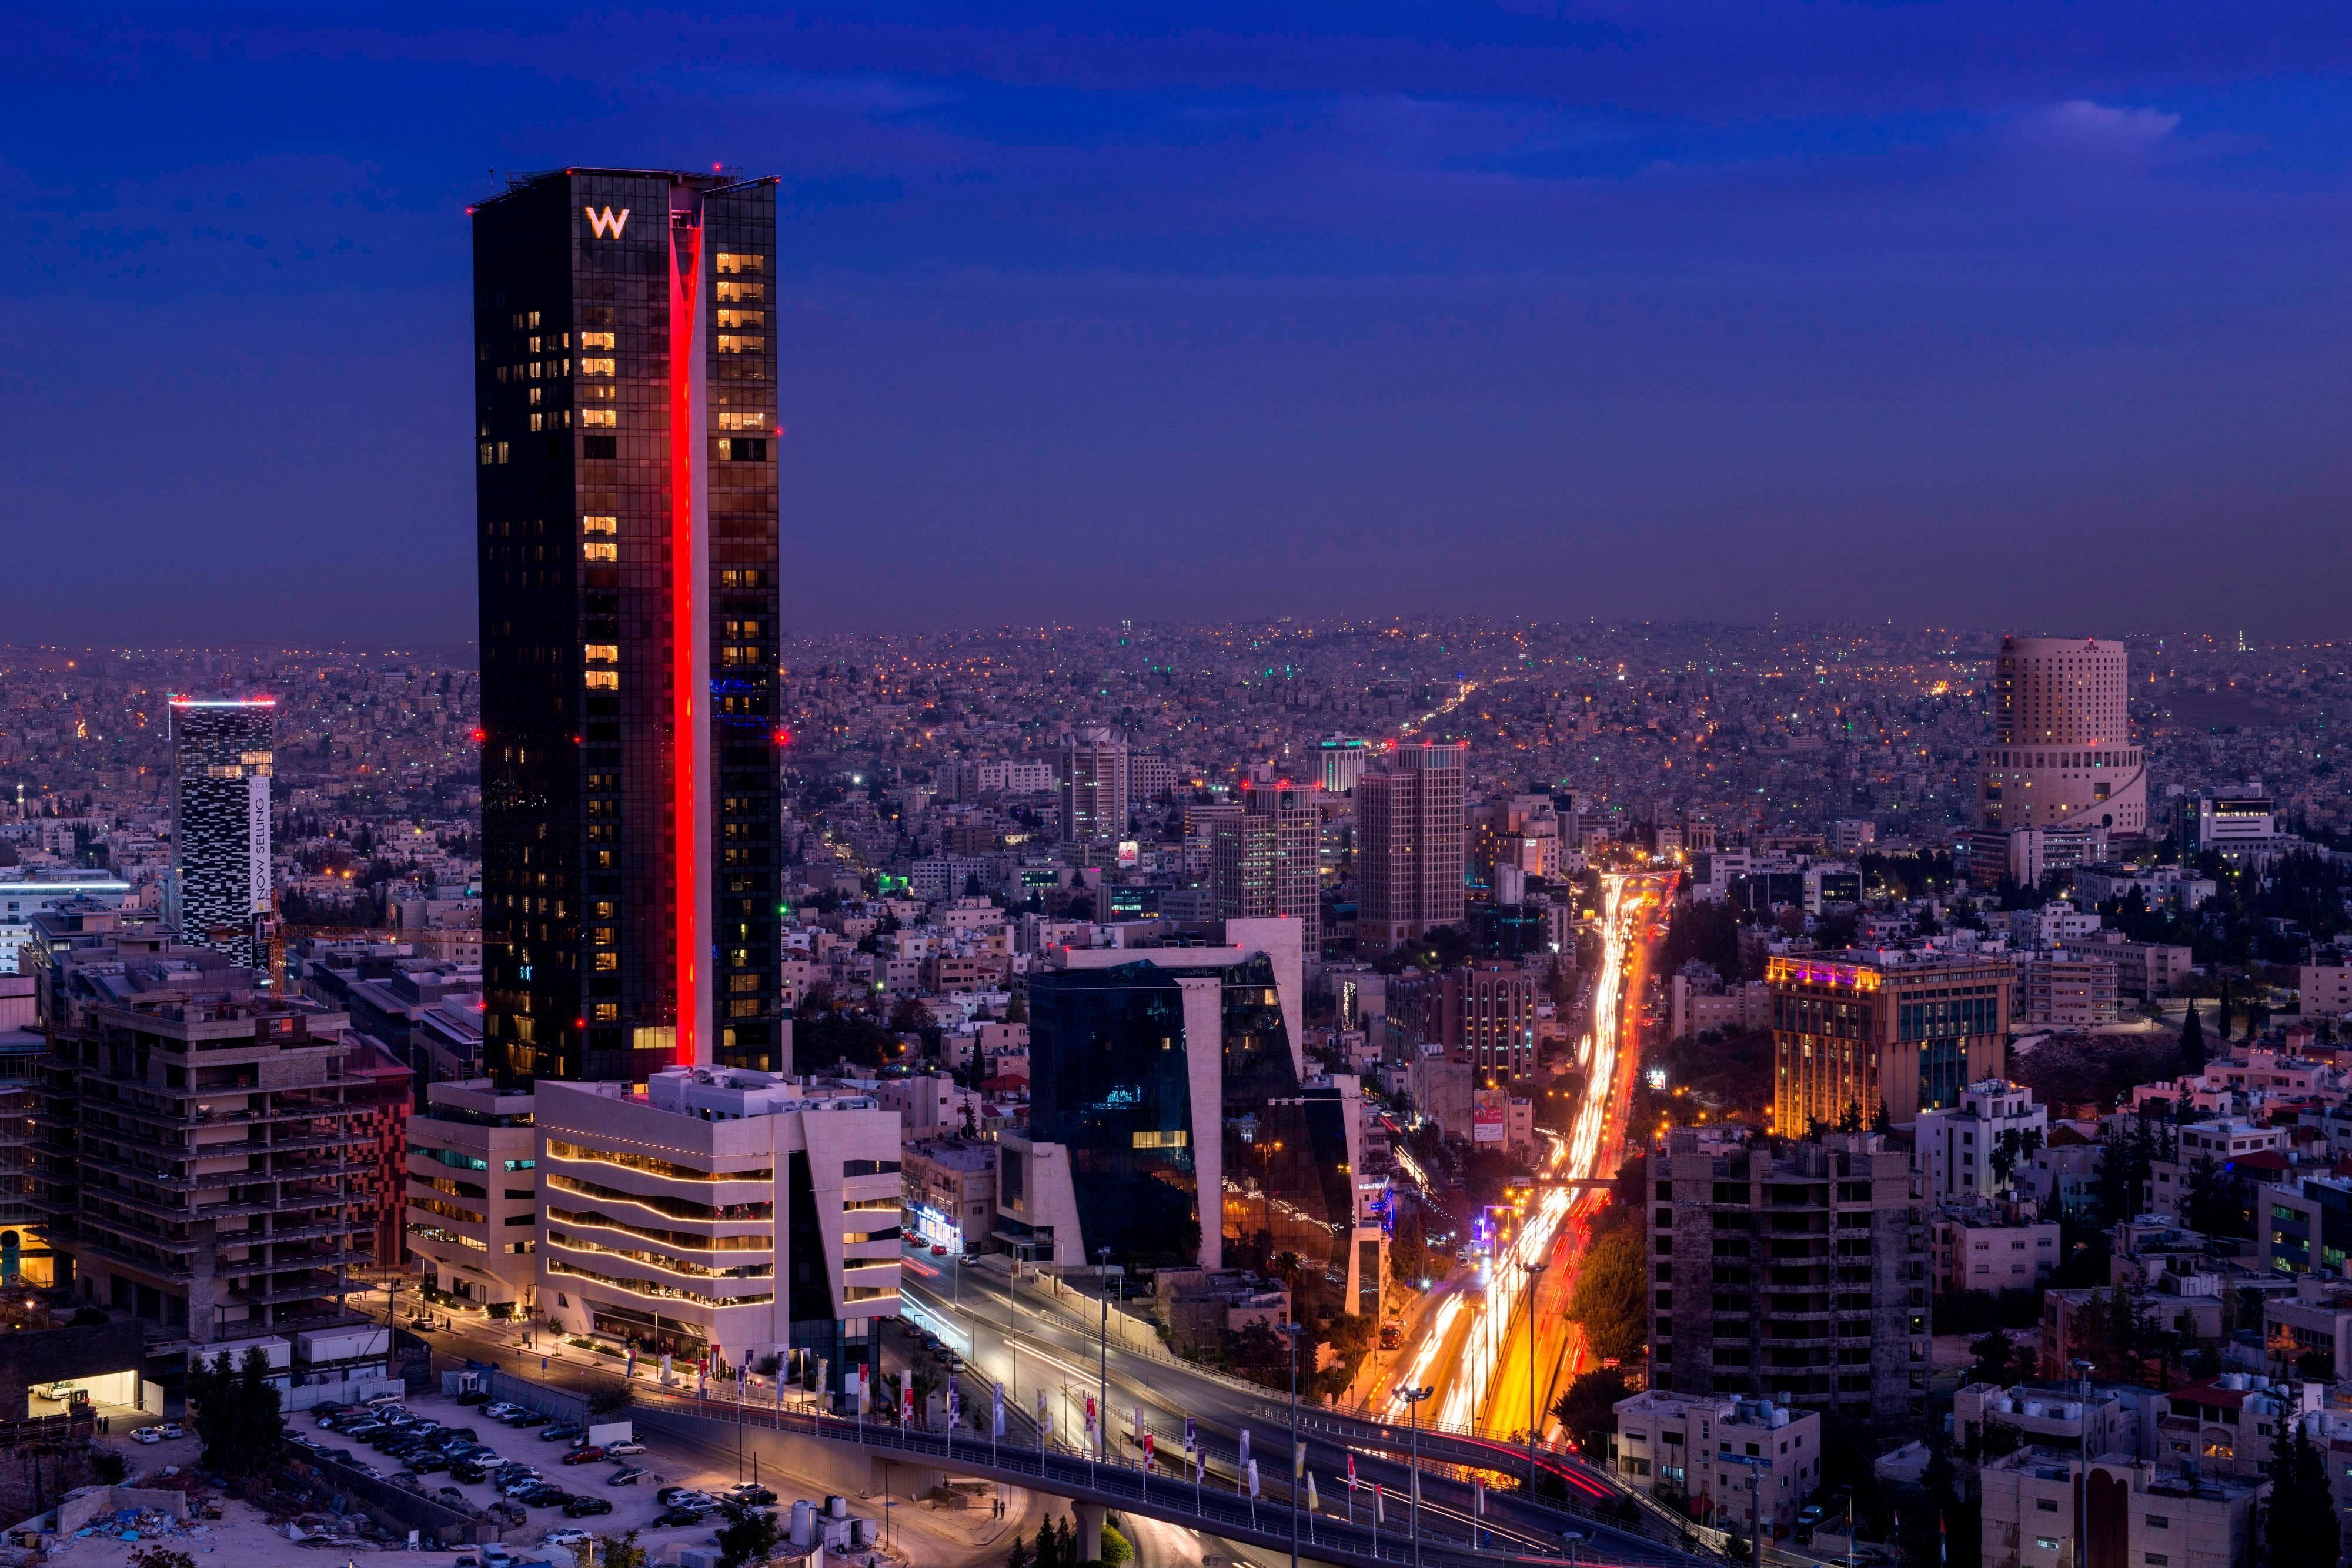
point(1917, 1056)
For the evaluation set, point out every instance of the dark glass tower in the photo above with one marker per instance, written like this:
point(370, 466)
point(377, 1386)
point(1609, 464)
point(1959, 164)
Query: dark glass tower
point(624, 385)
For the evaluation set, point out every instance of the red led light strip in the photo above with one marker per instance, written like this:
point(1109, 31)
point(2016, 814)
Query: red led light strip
point(683, 281)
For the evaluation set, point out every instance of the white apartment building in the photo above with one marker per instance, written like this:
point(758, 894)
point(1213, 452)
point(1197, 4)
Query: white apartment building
point(1979, 1249)
point(1695, 1448)
point(472, 1196)
point(2140, 1516)
point(722, 1212)
point(2064, 989)
point(1955, 1146)
point(2326, 989)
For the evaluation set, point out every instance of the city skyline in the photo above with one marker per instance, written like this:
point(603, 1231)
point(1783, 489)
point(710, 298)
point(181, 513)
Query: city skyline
point(1479, 313)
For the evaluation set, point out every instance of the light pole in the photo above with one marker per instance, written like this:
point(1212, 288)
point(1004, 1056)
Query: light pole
point(1535, 1278)
point(2083, 1484)
point(1102, 1352)
point(1413, 1398)
point(1291, 1331)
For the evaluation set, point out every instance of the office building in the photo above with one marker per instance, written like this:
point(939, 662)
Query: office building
point(1265, 863)
point(21, 898)
point(1171, 1119)
point(1855, 1029)
point(1481, 1015)
point(217, 894)
point(471, 1197)
point(1093, 782)
point(1409, 845)
point(2061, 756)
point(625, 485)
point(1340, 761)
point(731, 1214)
point(1800, 1275)
point(203, 1157)
point(2240, 828)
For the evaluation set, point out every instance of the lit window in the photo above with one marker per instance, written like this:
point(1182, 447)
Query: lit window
point(592, 550)
point(743, 317)
point(749, 1009)
point(595, 367)
point(535, 394)
point(599, 393)
point(604, 417)
point(595, 340)
point(532, 319)
point(534, 369)
point(603, 652)
point(538, 421)
point(488, 455)
point(732, 293)
point(605, 963)
point(534, 345)
point(604, 680)
point(606, 1012)
point(737, 261)
point(598, 525)
point(743, 421)
point(737, 343)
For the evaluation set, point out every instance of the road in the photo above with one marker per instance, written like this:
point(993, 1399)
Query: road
point(1520, 1378)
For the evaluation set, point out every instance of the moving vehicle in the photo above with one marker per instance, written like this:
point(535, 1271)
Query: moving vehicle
point(1391, 1335)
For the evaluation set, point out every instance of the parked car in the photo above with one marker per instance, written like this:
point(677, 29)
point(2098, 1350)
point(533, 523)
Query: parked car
point(627, 1475)
point(147, 1435)
point(676, 1517)
point(752, 1492)
point(449, 1494)
point(582, 1507)
point(615, 1450)
point(588, 1454)
point(561, 1432)
point(546, 1496)
point(564, 1537)
point(500, 1409)
point(668, 1496)
point(474, 1397)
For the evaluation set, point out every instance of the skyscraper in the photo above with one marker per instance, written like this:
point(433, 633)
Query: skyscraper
point(1409, 854)
point(1094, 787)
point(2061, 755)
point(1263, 862)
point(217, 894)
point(625, 388)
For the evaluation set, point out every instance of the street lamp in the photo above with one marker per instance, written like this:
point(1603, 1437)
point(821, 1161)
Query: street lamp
point(1535, 1276)
point(1102, 1351)
point(1413, 1398)
point(1291, 1331)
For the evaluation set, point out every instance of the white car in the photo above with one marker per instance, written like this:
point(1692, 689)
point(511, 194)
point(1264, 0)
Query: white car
point(148, 1435)
point(614, 1448)
point(563, 1538)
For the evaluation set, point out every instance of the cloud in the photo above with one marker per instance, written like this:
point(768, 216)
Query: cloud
point(2082, 129)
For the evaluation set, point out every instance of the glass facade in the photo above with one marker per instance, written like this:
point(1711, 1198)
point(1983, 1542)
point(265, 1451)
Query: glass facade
point(624, 378)
point(1109, 1082)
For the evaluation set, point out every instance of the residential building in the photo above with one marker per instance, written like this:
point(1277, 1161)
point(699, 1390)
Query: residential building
point(2064, 988)
point(1865, 1028)
point(1409, 845)
point(2060, 753)
point(217, 894)
point(626, 488)
point(1971, 1152)
point(201, 1162)
point(472, 1194)
point(1481, 1015)
point(951, 1192)
point(1263, 862)
point(1094, 787)
point(2140, 1515)
point(2241, 826)
point(1984, 1248)
point(2145, 970)
point(2324, 989)
point(720, 1213)
point(1801, 1272)
point(1677, 1449)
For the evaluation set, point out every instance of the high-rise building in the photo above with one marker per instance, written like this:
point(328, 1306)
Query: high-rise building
point(1266, 863)
point(2061, 755)
point(1342, 760)
point(1094, 787)
point(1853, 1030)
point(625, 482)
point(1797, 1272)
point(217, 894)
point(1409, 848)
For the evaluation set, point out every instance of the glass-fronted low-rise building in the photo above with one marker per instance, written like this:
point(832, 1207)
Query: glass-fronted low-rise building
point(1173, 1120)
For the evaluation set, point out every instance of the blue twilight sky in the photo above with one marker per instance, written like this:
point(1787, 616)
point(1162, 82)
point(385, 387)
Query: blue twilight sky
point(2005, 313)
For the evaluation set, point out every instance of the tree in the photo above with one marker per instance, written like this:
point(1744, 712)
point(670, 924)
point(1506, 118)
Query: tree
point(1587, 1406)
point(1995, 1358)
point(1850, 1119)
point(605, 1401)
point(157, 1555)
point(1115, 1548)
point(620, 1552)
point(2299, 1525)
point(1612, 1295)
point(751, 1539)
point(1020, 1556)
point(2192, 1043)
point(236, 1412)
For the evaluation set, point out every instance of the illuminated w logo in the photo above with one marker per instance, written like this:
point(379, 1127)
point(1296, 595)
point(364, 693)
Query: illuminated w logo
point(604, 224)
